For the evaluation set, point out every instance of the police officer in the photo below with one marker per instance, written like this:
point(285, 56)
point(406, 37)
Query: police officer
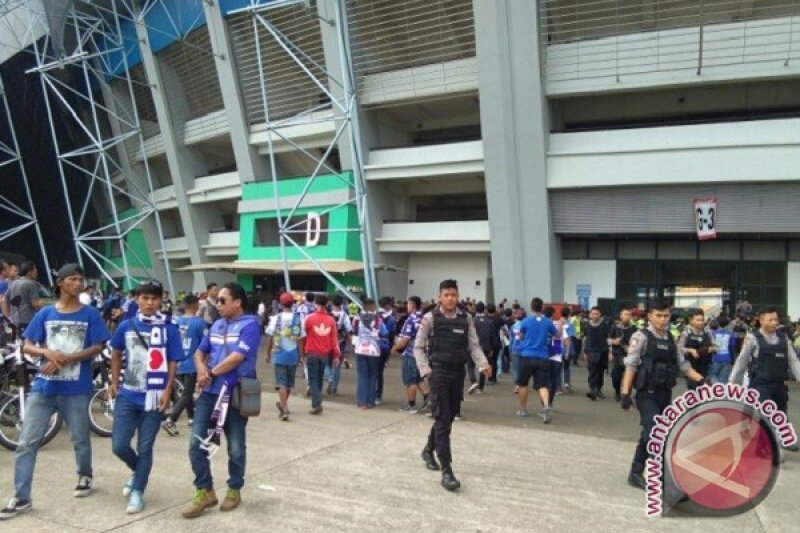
point(445, 342)
point(652, 367)
point(696, 345)
point(768, 356)
point(621, 333)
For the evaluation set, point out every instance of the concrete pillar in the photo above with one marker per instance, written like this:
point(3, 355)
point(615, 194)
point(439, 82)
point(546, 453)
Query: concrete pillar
point(515, 130)
point(249, 163)
point(184, 165)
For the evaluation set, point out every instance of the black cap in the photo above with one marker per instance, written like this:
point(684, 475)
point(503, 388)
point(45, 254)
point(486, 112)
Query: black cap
point(70, 269)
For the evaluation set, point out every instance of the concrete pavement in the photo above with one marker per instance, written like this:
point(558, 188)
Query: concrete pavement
point(350, 470)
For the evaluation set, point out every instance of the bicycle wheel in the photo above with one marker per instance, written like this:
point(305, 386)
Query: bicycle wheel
point(11, 424)
point(177, 392)
point(101, 413)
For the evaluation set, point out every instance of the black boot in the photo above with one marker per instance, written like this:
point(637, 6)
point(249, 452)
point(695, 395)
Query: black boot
point(592, 395)
point(430, 460)
point(449, 481)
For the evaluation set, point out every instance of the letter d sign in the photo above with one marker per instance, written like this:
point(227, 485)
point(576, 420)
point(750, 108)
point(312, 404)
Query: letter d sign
point(313, 229)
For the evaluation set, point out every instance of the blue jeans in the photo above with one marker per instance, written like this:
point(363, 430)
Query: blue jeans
point(720, 372)
point(332, 373)
point(235, 435)
point(316, 372)
point(514, 366)
point(38, 411)
point(367, 367)
point(130, 418)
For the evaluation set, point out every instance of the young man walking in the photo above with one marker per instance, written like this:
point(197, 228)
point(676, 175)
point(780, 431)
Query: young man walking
point(322, 343)
point(620, 338)
point(404, 345)
point(446, 339)
point(285, 334)
point(535, 333)
point(369, 329)
point(193, 329)
point(595, 350)
point(150, 347)
point(66, 337)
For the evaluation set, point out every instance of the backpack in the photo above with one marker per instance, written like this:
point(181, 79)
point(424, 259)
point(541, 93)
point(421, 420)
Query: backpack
point(484, 326)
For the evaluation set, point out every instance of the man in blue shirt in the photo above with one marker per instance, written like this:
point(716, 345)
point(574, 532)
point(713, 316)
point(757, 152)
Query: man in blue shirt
point(285, 333)
point(227, 354)
point(193, 329)
point(66, 336)
point(405, 345)
point(151, 344)
point(535, 333)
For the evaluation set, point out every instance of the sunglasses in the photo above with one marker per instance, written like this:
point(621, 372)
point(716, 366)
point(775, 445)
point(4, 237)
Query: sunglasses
point(222, 301)
point(153, 282)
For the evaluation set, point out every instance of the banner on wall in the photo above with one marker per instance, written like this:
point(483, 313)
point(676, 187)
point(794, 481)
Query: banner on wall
point(705, 214)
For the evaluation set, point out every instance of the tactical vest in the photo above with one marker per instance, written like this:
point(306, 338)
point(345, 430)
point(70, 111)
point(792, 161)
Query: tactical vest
point(627, 333)
point(449, 339)
point(659, 370)
point(700, 343)
point(772, 363)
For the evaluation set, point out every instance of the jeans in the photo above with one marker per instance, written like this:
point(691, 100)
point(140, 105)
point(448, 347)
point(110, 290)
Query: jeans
point(315, 366)
point(130, 418)
point(235, 435)
point(720, 372)
point(38, 411)
point(515, 366)
point(333, 374)
point(367, 368)
point(186, 401)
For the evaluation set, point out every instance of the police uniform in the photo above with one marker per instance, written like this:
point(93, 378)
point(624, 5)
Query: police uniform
point(443, 346)
point(700, 341)
point(768, 358)
point(623, 332)
point(595, 346)
point(657, 361)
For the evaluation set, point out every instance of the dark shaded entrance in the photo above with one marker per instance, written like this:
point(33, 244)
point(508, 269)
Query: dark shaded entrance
point(762, 283)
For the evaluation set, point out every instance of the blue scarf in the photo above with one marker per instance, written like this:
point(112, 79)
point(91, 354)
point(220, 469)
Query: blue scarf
point(157, 368)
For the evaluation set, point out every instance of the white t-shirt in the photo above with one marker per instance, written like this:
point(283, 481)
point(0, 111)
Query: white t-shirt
point(85, 298)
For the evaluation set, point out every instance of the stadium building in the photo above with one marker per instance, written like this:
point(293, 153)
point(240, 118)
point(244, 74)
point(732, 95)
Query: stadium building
point(583, 151)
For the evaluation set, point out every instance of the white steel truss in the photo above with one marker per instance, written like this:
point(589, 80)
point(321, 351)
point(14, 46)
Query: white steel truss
point(343, 104)
point(92, 41)
point(16, 217)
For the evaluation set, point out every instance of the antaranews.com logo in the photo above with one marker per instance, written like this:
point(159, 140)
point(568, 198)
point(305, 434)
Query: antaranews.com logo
point(716, 451)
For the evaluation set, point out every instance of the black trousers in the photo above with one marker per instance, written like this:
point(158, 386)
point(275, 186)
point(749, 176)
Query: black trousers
point(381, 369)
point(649, 405)
point(777, 391)
point(617, 371)
point(492, 356)
point(598, 362)
point(186, 401)
point(446, 392)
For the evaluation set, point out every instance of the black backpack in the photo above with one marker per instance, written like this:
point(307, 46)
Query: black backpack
point(484, 326)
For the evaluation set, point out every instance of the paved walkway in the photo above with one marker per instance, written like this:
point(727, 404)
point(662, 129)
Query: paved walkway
point(349, 470)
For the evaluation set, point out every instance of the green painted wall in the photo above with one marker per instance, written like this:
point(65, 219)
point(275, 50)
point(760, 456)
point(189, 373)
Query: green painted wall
point(348, 280)
point(341, 245)
point(246, 281)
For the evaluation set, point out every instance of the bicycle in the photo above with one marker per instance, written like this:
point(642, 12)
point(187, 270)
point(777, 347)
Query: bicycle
point(18, 371)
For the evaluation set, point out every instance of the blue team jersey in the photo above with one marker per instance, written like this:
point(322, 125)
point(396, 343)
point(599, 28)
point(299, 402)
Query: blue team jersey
point(409, 331)
point(536, 331)
point(67, 333)
point(192, 329)
point(241, 335)
point(125, 339)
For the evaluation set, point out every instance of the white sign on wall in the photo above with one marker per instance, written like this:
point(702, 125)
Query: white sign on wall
point(705, 215)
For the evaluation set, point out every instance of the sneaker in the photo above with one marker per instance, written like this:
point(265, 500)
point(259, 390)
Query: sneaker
point(190, 422)
point(128, 487)
point(546, 414)
point(379, 401)
point(136, 502)
point(516, 389)
point(409, 409)
point(523, 413)
point(203, 499)
point(15, 507)
point(84, 487)
point(426, 406)
point(170, 427)
point(457, 418)
point(233, 499)
point(315, 410)
point(279, 407)
point(568, 388)
point(472, 388)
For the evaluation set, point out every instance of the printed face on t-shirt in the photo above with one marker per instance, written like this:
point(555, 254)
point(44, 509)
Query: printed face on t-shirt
point(67, 337)
point(135, 377)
